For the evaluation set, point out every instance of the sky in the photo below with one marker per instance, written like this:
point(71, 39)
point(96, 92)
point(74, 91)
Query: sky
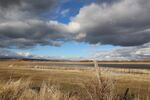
point(75, 29)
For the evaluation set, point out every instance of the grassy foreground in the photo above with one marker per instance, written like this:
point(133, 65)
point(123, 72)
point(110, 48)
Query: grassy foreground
point(18, 82)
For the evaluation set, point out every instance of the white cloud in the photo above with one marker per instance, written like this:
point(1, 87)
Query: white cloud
point(6, 53)
point(24, 54)
point(73, 27)
point(65, 12)
point(124, 53)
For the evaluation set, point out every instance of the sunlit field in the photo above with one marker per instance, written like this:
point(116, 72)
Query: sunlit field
point(45, 80)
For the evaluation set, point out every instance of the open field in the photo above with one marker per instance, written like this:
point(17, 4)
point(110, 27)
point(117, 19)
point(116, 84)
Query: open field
point(75, 78)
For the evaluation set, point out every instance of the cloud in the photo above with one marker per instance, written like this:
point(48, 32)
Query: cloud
point(124, 23)
point(65, 12)
point(119, 53)
point(125, 53)
point(121, 22)
point(4, 53)
point(29, 55)
point(21, 24)
point(26, 34)
point(24, 54)
point(27, 7)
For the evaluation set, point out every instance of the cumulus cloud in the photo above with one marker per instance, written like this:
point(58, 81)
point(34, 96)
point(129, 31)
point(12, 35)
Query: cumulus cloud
point(21, 24)
point(14, 9)
point(121, 22)
point(125, 23)
point(30, 33)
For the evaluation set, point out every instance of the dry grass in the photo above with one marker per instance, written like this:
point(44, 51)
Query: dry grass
point(103, 91)
point(93, 84)
point(25, 90)
point(99, 89)
point(21, 90)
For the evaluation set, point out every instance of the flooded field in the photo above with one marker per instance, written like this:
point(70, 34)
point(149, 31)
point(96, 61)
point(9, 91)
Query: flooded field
point(131, 66)
point(72, 64)
point(134, 66)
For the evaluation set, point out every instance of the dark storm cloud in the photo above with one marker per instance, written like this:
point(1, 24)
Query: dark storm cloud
point(33, 6)
point(115, 37)
point(30, 33)
point(21, 24)
point(119, 22)
point(8, 3)
point(125, 23)
point(24, 9)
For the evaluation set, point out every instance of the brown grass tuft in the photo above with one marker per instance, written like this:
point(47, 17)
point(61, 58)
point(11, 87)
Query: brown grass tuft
point(20, 90)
